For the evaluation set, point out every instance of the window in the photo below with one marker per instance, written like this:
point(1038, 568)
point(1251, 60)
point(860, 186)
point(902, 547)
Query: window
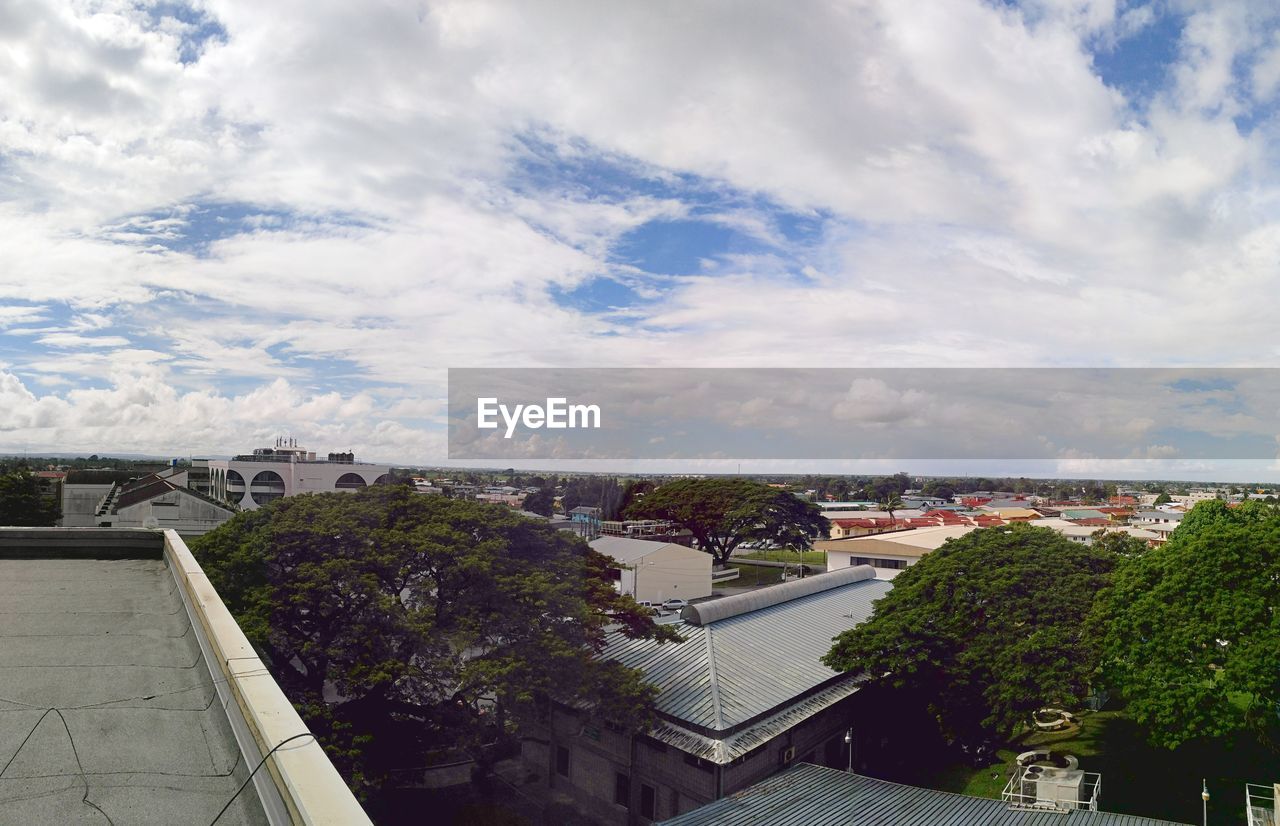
point(648, 801)
point(622, 790)
point(562, 761)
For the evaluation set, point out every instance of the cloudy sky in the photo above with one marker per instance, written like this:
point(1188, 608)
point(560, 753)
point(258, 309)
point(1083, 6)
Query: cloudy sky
point(224, 221)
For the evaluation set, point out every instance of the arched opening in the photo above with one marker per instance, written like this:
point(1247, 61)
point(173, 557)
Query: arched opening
point(235, 486)
point(384, 479)
point(349, 481)
point(266, 486)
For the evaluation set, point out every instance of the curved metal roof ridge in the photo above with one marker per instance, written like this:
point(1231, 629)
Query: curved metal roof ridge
point(708, 612)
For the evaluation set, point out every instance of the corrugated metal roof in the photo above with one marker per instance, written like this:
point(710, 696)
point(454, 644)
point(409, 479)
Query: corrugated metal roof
point(757, 662)
point(808, 795)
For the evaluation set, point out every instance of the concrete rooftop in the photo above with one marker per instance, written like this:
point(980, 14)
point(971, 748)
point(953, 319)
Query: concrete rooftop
point(108, 710)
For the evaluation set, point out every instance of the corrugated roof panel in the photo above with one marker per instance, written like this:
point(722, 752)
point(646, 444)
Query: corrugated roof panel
point(808, 795)
point(785, 642)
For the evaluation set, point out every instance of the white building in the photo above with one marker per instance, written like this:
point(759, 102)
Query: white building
point(888, 553)
point(156, 502)
point(287, 470)
point(657, 571)
point(1083, 534)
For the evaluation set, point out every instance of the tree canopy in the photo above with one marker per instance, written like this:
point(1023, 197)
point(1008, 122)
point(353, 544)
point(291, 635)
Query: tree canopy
point(541, 502)
point(21, 502)
point(1192, 634)
point(723, 513)
point(417, 611)
point(990, 627)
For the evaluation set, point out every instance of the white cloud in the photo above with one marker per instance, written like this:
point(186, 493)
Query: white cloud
point(980, 195)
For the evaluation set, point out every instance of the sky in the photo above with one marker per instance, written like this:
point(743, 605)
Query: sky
point(221, 222)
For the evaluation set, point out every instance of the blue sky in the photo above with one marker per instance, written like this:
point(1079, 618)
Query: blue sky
point(224, 221)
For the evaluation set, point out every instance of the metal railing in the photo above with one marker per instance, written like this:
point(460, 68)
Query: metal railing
point(1054, 792)
point(1260, 804)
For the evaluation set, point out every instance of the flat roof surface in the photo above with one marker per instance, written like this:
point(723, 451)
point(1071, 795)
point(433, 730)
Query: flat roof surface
point(107, 707)
point(809, 795)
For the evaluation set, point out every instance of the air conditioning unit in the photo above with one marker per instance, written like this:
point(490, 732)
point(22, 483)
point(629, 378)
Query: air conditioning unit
point(787, 755)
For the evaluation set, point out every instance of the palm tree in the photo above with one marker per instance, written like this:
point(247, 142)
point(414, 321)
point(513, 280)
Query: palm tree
point(891, 503)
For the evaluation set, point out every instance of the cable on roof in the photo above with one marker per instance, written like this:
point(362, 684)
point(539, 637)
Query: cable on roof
point(261, 763)
point(84, 798)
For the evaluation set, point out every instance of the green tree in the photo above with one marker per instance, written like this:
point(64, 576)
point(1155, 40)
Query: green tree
point(1192, 636)
point(21, 502)
point(594, 492)
point(415, 609)
point(541, 502)
point(990, 627)
point(1163, 499)
point(891, 503)
point(723, 513)
point(1119, 543)
point(634, 492)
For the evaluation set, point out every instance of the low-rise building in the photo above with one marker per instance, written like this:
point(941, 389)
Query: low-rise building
point(657, 571)
point(743, 695)
point(80, 503)
point(888, 553)
point(1145, 518)
point(1083, 534)
point(159, 502)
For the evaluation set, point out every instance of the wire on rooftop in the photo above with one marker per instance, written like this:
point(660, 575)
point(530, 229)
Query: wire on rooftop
point(261, 763)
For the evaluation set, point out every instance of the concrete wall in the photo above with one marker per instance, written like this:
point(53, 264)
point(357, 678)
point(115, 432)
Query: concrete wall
point(176, 510)
point(680, 781)
point(843, 559)
point(79, 503)
point(297, 477)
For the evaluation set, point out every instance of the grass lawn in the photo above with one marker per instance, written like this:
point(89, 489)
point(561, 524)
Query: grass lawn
point(1137, 779)
point(807, 557)
point(754, 575)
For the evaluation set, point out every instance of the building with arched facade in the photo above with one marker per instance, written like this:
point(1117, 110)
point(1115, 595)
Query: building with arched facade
point(253, 480)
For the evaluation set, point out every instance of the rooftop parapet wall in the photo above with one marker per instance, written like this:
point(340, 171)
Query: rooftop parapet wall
point(80, 543)
point(297, 784)
point(306, 780)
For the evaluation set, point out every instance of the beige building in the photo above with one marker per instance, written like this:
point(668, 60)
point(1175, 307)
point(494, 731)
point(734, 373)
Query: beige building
point(1083, 534)
point(888, 553)
point(657, 571)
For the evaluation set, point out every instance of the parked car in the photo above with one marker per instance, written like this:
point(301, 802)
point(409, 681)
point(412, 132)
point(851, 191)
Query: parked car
point(674, 604)
point(651, 607)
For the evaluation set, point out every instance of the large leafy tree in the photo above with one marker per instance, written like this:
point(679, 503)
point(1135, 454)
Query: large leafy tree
point(1192, 633)
point(541, 501)
point(990, 627)
point(21, 502)
point(420, 612)
point(723, 513)
point(601, 492)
